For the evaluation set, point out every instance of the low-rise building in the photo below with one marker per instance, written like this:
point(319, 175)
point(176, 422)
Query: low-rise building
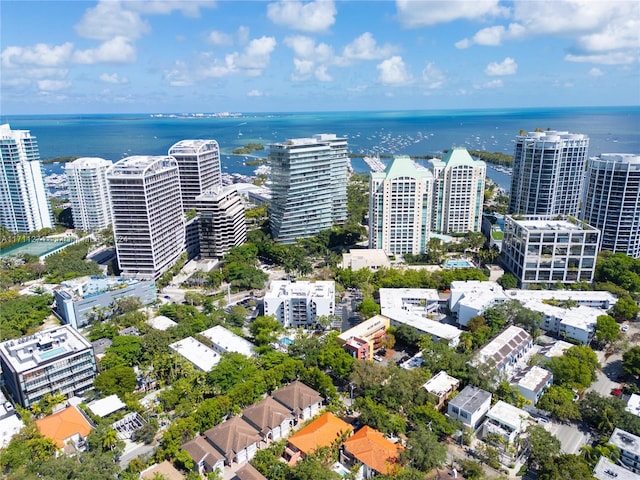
point(224, 340)
point(68, 428)
point(302, 401)
point(442, 385)
point(206, 457)
point(106, 406)
point(248, 472)
point(235, 439)
point(505, 420)
point(633, 405)
point(366, 337)
point(10, 422)
point(506, 350)
point(269, 417)
point(605, 469)
point(322, 432)
point(56, 360)
point(79, 301)
point(629, 446)
point(532, 382)
point(374, 454)
point(555, 349)
point(470, 406)
point(371, 258)
point(203, 357)
point(161, 323)
point(472, 297)
point(299, 304)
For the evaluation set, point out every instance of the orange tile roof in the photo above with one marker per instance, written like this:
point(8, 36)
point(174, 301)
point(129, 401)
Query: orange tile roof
point(371, 448)
point(64, 424)
point(322, 432)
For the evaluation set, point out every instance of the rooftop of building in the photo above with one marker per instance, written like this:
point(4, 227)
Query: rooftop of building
point(618, 158)
point(477, 294)
point(303, 288)
point(470, 398)
point(161, 322)
point(321, 432)
point(366, 328)
point(197, 353)
point(605, 469)
point(191, 147)
point(507, 414)
point(371, 448)
point(232, 435)
point(267, 414)
point(317, 139)
point(423, 324)
point(549, 223)
point(10, 424)
point(579, 296)
point(407, 298)
point(229, 341)
point(553, 136)
point(89, 286)
point(87, 162)
point(555, 349)
point(441, 383)
point(64, 424)
point(533, 378)
point(403, 166)
point(581, 317)
point(47, 346)
point(625, 441)
point(140, 165)
point(106, 406)
point(633, 405)
point(504, 345)
point(375, 256)
point(460, 156)
point(296, 396)
point(248, 472)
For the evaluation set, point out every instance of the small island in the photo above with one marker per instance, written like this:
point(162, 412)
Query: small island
point(59, 159)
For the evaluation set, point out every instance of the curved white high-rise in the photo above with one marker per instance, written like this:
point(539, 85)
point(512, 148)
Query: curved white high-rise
point(148, 220)
point(89, 193)
point(611, 201)
point(24, 205)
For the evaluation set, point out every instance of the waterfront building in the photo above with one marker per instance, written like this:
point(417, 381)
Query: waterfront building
point(222, 223)
point(309, 186)
point(89, 193)
point(299, 304)
point(400, 207)
point(548, 169)
point(611, 201)
point(198, 167)
point(544, 249)
point(56, 360)
point(458, 192)
point(81, 300)
point(148, 220)
point(24, 205)
point(470, 406)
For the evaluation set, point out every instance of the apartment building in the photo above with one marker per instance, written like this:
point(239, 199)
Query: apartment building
point(548, 169)
point(24, 204)
point(89, 193)
point(471, 298)
point(629, 446)
point(611, 201)
point(400, 205)
point(543, 249)
point(198, 167)
point(56, 360)
point(309, 186)
point(224, 340)
point(470, 406)
point(506, 421)
point(363, 339)
point(299, 304)
point(532, 382)
point(222, 223)
point(148, 218)
point(506, 350)
point(458, 192)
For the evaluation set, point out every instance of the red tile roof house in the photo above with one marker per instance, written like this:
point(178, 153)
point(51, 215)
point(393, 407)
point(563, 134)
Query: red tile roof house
point(375, 454)
point(324, 431)
point(272, 419)
point(303, 401)
point(235, 439)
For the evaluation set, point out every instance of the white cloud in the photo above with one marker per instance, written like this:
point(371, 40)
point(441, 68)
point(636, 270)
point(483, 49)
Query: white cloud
point(613, 58)
point(251, 62)
point(464, 43)
point(52, 85)
point(365, 48)
point(220, 38)
point(257, 54)
point(322, 75)
point(242, 34)
point(302, 70)
point(315, 16)
point(507, 67)
point(190, 8)
point(393, 71)
point(109, 19)
point(415, 14)
point(596, 72)
point(116, 50)
point(40, 54)
point(113, 78)
point(305, 48)
point(255, 93)
point(432, 76)
point(496, 83)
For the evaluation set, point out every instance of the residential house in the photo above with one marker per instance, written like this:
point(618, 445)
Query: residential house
point(441, 385)
point(248, 472)
point(68, 428)
point(272, 419)
point(235, 439)
point(605, 469)
point(629, 446)
point(506, 350)
point(303, 401)
point(532, 382)
point(470, 406)
point(505, 420)
point(375, 454)
point(322, 432)
point(206, 457)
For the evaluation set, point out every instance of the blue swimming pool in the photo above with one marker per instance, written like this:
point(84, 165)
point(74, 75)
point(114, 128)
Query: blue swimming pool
point(458, 264)
point(286, 341)
point(51, 353)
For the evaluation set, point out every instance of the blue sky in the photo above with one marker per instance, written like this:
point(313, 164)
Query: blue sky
point(282, 56)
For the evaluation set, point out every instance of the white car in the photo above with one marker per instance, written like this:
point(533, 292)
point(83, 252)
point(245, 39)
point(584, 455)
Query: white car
point(624, 328)
point(543, 420)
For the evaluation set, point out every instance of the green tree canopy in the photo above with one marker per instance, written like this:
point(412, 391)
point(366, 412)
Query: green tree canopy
point(576, 368)
point(558, 400)
point(607, 330)
point(631, 361)
point(118, 380)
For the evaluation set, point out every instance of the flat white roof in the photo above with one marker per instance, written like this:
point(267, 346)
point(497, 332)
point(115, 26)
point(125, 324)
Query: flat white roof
point(407, 298)
point(507, 414)
point(197, 353)
point(431, 327)
point(556, 349)
point(625, 441)
point(228, 341)
point(9, 426)
point(607, 470)
point(633, 405)
point(302, 289)
point(441, 383)
point(533, 378)
point(106, 406)
point(563, 295)
point(161, 322)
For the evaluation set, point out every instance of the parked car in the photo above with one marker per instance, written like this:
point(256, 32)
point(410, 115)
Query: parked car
point(624, 328)
point(543, 420)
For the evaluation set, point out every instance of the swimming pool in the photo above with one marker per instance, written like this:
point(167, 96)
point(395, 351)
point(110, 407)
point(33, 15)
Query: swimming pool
point(458, 264)
point(51, 353)
point(286, 341)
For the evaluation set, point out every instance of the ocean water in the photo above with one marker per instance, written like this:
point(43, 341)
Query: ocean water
point(418, 133)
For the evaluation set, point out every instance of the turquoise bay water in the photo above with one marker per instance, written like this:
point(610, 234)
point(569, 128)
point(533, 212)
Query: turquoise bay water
point(418, 133)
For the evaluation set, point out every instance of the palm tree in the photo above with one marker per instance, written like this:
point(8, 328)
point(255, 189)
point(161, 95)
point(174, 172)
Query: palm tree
point(109, 439)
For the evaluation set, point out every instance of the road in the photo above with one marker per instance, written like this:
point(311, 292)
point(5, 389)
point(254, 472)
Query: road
point(570, 436)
